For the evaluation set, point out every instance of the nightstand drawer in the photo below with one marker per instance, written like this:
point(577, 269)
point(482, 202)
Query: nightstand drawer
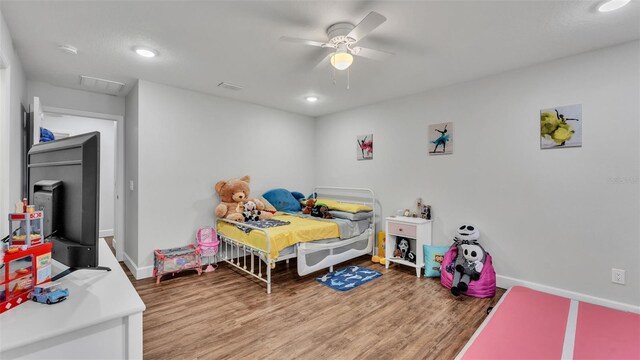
point(407, 230)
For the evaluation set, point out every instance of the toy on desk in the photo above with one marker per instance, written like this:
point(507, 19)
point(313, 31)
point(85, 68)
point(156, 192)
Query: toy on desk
point(424, 211)
point(208, 244)
point(49, 293)
point(26, 228)
point(19, 208)
point(23, 269)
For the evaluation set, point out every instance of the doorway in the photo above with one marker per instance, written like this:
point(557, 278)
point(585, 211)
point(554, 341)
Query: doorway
point(63, 123)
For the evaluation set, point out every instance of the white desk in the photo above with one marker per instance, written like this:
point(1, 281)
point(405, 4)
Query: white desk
point(102, 318)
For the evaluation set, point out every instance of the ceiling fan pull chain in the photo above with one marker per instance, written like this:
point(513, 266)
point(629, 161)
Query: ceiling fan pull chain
point(334, 76)
point(348, 77)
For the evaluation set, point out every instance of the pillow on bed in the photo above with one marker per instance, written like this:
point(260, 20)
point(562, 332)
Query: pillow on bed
point(267, 204)
point(282, 200)
point(433, 256)
point(351, 216)
point(342, 206)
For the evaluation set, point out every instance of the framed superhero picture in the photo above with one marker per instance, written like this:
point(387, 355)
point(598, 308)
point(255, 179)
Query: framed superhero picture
point(441, 138)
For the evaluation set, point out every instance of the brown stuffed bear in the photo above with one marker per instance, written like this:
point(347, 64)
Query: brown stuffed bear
point(232, 193)
point(310, 204)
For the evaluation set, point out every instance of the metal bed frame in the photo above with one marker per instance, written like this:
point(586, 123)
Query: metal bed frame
point(235, 252)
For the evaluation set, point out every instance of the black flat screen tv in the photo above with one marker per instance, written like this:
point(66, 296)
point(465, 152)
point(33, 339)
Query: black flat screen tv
point(64, 182)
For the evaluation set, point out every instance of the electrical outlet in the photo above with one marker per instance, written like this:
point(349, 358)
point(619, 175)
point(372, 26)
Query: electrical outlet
point(617, 276)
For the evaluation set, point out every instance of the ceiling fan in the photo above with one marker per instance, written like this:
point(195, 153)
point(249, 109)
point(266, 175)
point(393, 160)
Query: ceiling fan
point(342, 39)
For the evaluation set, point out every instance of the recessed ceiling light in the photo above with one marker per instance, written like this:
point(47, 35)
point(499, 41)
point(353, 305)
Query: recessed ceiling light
point(612, 5)
point(311, 98)
point(145, 52)
point(68, 49)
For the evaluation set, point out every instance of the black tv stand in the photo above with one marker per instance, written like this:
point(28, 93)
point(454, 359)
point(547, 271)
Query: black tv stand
point(73, 269)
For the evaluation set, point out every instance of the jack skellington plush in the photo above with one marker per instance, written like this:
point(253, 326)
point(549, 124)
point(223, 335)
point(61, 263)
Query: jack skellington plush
point(470, 259)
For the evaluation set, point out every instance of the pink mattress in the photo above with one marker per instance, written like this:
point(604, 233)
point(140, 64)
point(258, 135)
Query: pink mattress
point(528, 324)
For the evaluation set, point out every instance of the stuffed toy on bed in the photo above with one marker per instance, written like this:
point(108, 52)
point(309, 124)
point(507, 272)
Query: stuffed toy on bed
point(249, 211)
point(232, 193)
point(309, 206)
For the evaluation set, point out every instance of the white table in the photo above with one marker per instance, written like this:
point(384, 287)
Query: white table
point(102, 318)
point(416, 230)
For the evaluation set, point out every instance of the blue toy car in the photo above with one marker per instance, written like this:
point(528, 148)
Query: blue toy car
point(49, 293)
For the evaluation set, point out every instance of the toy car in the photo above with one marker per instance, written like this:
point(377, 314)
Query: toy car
point(49, 293)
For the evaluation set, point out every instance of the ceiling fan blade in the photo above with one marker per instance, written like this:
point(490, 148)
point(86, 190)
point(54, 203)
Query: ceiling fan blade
point(368, 24)
point(372, 53)
point(303, 41)
point(324, 61)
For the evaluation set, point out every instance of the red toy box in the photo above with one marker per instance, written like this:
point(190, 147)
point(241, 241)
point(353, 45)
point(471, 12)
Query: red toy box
point(21, 271)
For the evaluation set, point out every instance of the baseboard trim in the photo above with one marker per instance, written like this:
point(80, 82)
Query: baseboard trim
point(138, 273)
point(106, 232)
point(506, 282)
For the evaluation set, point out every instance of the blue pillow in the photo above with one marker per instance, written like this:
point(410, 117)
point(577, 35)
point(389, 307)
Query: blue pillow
point(433, 256)
point(282, 200)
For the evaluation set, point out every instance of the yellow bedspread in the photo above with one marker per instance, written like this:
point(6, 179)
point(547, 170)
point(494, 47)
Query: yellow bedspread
point(300, 230)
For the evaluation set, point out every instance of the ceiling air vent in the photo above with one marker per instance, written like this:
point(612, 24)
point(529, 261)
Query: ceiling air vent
point(101, 85)
point(230, 86)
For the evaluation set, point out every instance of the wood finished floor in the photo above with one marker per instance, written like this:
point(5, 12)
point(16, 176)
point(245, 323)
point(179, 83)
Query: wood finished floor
point(225, 315)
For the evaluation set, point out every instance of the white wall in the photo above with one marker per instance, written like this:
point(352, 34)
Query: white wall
point(560, 217)
point(188, 141)
point(131, 174)
point(55, 96)
point(11, 127)
point(74, 125)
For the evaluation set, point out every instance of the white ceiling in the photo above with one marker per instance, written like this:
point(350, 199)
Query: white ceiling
point(203, 43)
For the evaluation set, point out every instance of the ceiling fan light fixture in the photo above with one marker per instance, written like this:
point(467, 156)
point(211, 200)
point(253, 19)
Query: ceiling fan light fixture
point(341, 60)
point(612, 5)
point(145, 51)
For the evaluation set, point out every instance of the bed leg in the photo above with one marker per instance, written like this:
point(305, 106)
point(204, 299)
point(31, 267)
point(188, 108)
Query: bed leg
point(287, 262)
point(268, 278)
point(331, 268)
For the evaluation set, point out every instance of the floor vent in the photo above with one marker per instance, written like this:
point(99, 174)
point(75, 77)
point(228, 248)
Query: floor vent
point(101, 85)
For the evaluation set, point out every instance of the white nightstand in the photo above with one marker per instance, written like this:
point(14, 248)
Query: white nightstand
point(417, 231)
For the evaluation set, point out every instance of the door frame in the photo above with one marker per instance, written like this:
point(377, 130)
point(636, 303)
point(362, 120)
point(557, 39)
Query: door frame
point(118, 220)
point(5, 147)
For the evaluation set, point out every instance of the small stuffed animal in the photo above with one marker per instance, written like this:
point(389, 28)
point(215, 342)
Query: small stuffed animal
point(411, 256)
point(321, 211)
point(403, 245)
point(309, 208)
point(249, 211)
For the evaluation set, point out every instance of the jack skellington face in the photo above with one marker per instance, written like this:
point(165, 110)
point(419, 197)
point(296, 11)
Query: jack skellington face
point(403, 245)
point(472, 252)
point(468, 232)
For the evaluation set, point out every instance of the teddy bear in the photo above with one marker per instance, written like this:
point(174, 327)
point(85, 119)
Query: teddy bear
point(233, 192)
point(310, 203)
